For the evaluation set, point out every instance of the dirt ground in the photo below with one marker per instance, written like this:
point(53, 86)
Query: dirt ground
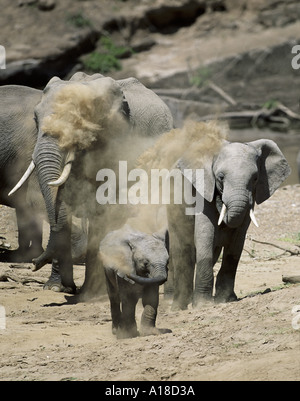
point(46, 338)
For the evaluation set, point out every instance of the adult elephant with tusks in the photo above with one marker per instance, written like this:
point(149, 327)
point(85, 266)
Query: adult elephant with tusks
point(237, 177)
point(18, 136)
point(86, 124)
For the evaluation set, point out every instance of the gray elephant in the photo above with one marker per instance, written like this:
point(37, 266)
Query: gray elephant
point(85, 125)
point(135, 264)
point(18, 136)
point(236, 178)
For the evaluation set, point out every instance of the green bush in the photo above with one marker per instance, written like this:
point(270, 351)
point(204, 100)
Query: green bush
point(107, 58)
point(117, 51)
point(101, 62)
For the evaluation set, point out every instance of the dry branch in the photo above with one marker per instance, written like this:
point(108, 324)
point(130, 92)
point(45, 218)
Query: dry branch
point(278, 117)
point(295, 252)
point(23, 281)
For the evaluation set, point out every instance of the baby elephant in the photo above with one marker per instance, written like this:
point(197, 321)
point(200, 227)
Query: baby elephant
point(135, 265)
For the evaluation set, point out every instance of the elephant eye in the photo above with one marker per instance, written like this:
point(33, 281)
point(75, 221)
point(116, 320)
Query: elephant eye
point(221, 177)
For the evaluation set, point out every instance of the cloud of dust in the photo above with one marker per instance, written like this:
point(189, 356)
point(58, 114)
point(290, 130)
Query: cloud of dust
point(82, 113)
point(195, 142)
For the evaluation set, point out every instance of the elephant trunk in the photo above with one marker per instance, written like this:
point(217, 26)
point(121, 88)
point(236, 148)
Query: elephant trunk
point(237, 207)
point(49, 162)
point(158, 276)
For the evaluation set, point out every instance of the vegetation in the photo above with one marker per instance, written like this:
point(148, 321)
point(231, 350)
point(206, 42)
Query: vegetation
point(101, 62)
point(201, 77)
point(107, 58)
point(78, 20)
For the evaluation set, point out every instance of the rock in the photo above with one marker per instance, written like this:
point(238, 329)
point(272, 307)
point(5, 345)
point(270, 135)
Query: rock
point(46, 5)
point(142, 45)
point(43, 5)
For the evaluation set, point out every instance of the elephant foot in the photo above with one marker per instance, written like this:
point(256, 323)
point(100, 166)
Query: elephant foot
point(153, 331)
point(56, 286)
point(88, 293)
point(224, 298)
point(55, 282)
point(202, 301)
point(177, 306)
point(128, 332)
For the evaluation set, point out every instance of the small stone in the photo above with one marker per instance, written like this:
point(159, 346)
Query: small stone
point(46, 5)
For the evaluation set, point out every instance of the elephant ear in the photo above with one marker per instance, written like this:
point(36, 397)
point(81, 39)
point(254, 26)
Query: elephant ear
point(274, 168)
point(206, 187)
point(116, 251)
point(53, 81)
point(163, 235)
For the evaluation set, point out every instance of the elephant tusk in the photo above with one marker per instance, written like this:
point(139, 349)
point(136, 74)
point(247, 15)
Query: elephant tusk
point(25, 177)
point(222, 214)
point(253, 218)
point(66, 171)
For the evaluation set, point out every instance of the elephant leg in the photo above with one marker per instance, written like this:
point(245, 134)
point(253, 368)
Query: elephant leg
point(61, 278)
point(94, 283)
point(226, 276)
point(54, 282)
point(65, 262)
point(24, 237)
point(204, 280)
point(59, 248)
point(150, 299)
point(29, 238)
point(169, 284)
point(128, 327)
point(59, 253)
point(114, 298)
point(182, 255)
point(36, 229)
point(206, 256)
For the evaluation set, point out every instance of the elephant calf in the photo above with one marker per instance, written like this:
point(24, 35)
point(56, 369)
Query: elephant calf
point(135, 265)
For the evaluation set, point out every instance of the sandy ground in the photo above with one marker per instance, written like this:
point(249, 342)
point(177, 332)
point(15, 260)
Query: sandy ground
point(46, 338)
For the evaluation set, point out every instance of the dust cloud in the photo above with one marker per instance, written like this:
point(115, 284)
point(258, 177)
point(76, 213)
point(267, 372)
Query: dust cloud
point(195, 142)
point(82, 114)
point(84, 119)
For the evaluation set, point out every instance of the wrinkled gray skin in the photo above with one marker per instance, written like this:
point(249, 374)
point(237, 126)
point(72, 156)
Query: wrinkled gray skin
point(149, 115)
point(18, 136)
point(144, 258)
point(239, 176)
